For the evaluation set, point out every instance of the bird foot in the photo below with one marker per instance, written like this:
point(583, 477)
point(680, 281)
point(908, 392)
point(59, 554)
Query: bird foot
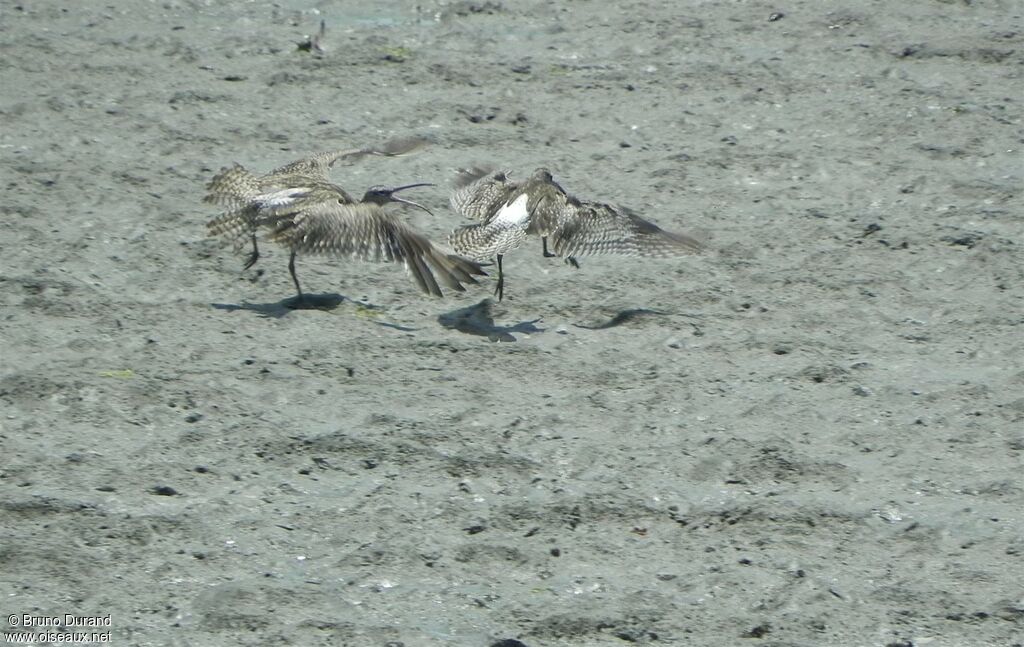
point(251, 260)
point(569, 260)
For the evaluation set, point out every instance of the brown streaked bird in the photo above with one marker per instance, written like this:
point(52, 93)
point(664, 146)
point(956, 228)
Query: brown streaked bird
point(237, 189)
point(321, 218)
point(509, 211)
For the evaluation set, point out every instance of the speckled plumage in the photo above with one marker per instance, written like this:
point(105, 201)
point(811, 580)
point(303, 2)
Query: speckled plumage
point(236, 188)
point(587, 228)
point(575, 227)
point(484, 243)
point(481, 194)
point(304, 212)
point(319, 219)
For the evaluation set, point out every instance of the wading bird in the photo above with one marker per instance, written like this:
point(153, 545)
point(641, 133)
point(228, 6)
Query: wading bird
point(236, 188)
point(307, 214)
point(508, 211)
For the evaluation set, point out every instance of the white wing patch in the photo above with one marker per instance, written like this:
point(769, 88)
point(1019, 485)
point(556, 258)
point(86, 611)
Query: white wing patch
point(282, 198)
point(513, 214)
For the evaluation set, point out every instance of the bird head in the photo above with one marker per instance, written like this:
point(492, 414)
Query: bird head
point(543, 175)
point(381, 195)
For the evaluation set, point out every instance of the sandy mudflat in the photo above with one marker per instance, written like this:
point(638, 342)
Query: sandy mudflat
point(810, 435)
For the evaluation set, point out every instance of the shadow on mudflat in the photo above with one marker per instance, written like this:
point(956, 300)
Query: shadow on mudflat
point(637, 317)
point(278, 309)
point(622, 317)
point(323, 302)
point(477, 320)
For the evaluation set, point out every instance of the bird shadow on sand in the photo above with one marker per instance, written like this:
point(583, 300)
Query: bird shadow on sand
point(632, 316)
point(478, 320)
point(622, 317)
point(323, 302)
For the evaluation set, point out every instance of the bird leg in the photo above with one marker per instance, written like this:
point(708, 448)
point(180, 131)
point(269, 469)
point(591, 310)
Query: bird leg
point(544, 244)
point(499, 291)
point(254, 255)
point(569, 260)
point(291, 269)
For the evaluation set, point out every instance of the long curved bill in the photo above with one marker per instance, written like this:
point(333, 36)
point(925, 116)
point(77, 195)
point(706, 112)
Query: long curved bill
point(394, 198)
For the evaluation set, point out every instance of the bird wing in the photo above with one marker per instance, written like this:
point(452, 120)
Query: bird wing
point(361, 231)
point(294, 197)
point(365, 232)
point(233, 186)
point(318, 165)
point(597, 228)
point(481, 242)
point(480, 192)
point(546, 205)
point(235, 225)
point(398, 147)
point(251, 199)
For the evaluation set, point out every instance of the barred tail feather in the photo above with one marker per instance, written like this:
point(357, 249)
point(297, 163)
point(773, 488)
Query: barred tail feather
point(232, 187)
point(232, 224)
point(454, 270)
point(481, 242)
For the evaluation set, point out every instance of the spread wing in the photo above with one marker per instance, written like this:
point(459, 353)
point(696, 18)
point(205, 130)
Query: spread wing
point(479, 193)
point(362, 231)
point(251, 198)
point(232, 187)
point(597, 228)
point(235, 186)
point(318, 165)
point(366, 232)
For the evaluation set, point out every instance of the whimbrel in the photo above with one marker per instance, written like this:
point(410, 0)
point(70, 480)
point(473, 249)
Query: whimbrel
point(508, 211)
point(237, 189)
point(320, 217)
